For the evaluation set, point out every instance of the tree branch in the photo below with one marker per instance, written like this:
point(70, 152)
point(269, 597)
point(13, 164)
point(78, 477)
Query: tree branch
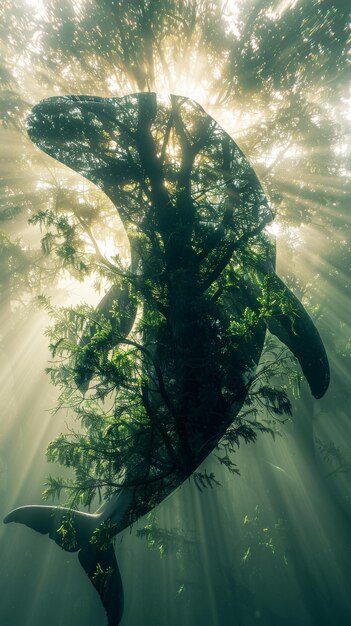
point(231, 248)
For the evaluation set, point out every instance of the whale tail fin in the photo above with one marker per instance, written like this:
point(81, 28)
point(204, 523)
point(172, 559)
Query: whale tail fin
point(101, 566)
point(69, 528)
point(72, 531)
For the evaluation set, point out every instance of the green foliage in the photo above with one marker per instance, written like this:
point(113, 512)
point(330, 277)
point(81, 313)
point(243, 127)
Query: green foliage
point(203, 480)
point(165, 541)
point(66, 533)
point(336, 457)
point(64, 240)
point(264, 545)
point(246, 325)
point(103, 535)
point(118, 428)
point(102, 576)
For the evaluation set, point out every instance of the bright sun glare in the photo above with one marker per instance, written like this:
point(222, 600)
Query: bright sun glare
point(38, 6)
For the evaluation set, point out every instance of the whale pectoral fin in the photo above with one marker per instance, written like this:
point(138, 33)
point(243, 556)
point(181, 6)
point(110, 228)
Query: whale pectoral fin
point(297, 331)
point(125, 307)
point(121, 325)
point(103, 572)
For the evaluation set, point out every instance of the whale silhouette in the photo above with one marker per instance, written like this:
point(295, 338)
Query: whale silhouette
point(201, 263)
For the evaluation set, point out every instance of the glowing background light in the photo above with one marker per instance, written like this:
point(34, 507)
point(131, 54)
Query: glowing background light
point(38, 7)
point(304, 177)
